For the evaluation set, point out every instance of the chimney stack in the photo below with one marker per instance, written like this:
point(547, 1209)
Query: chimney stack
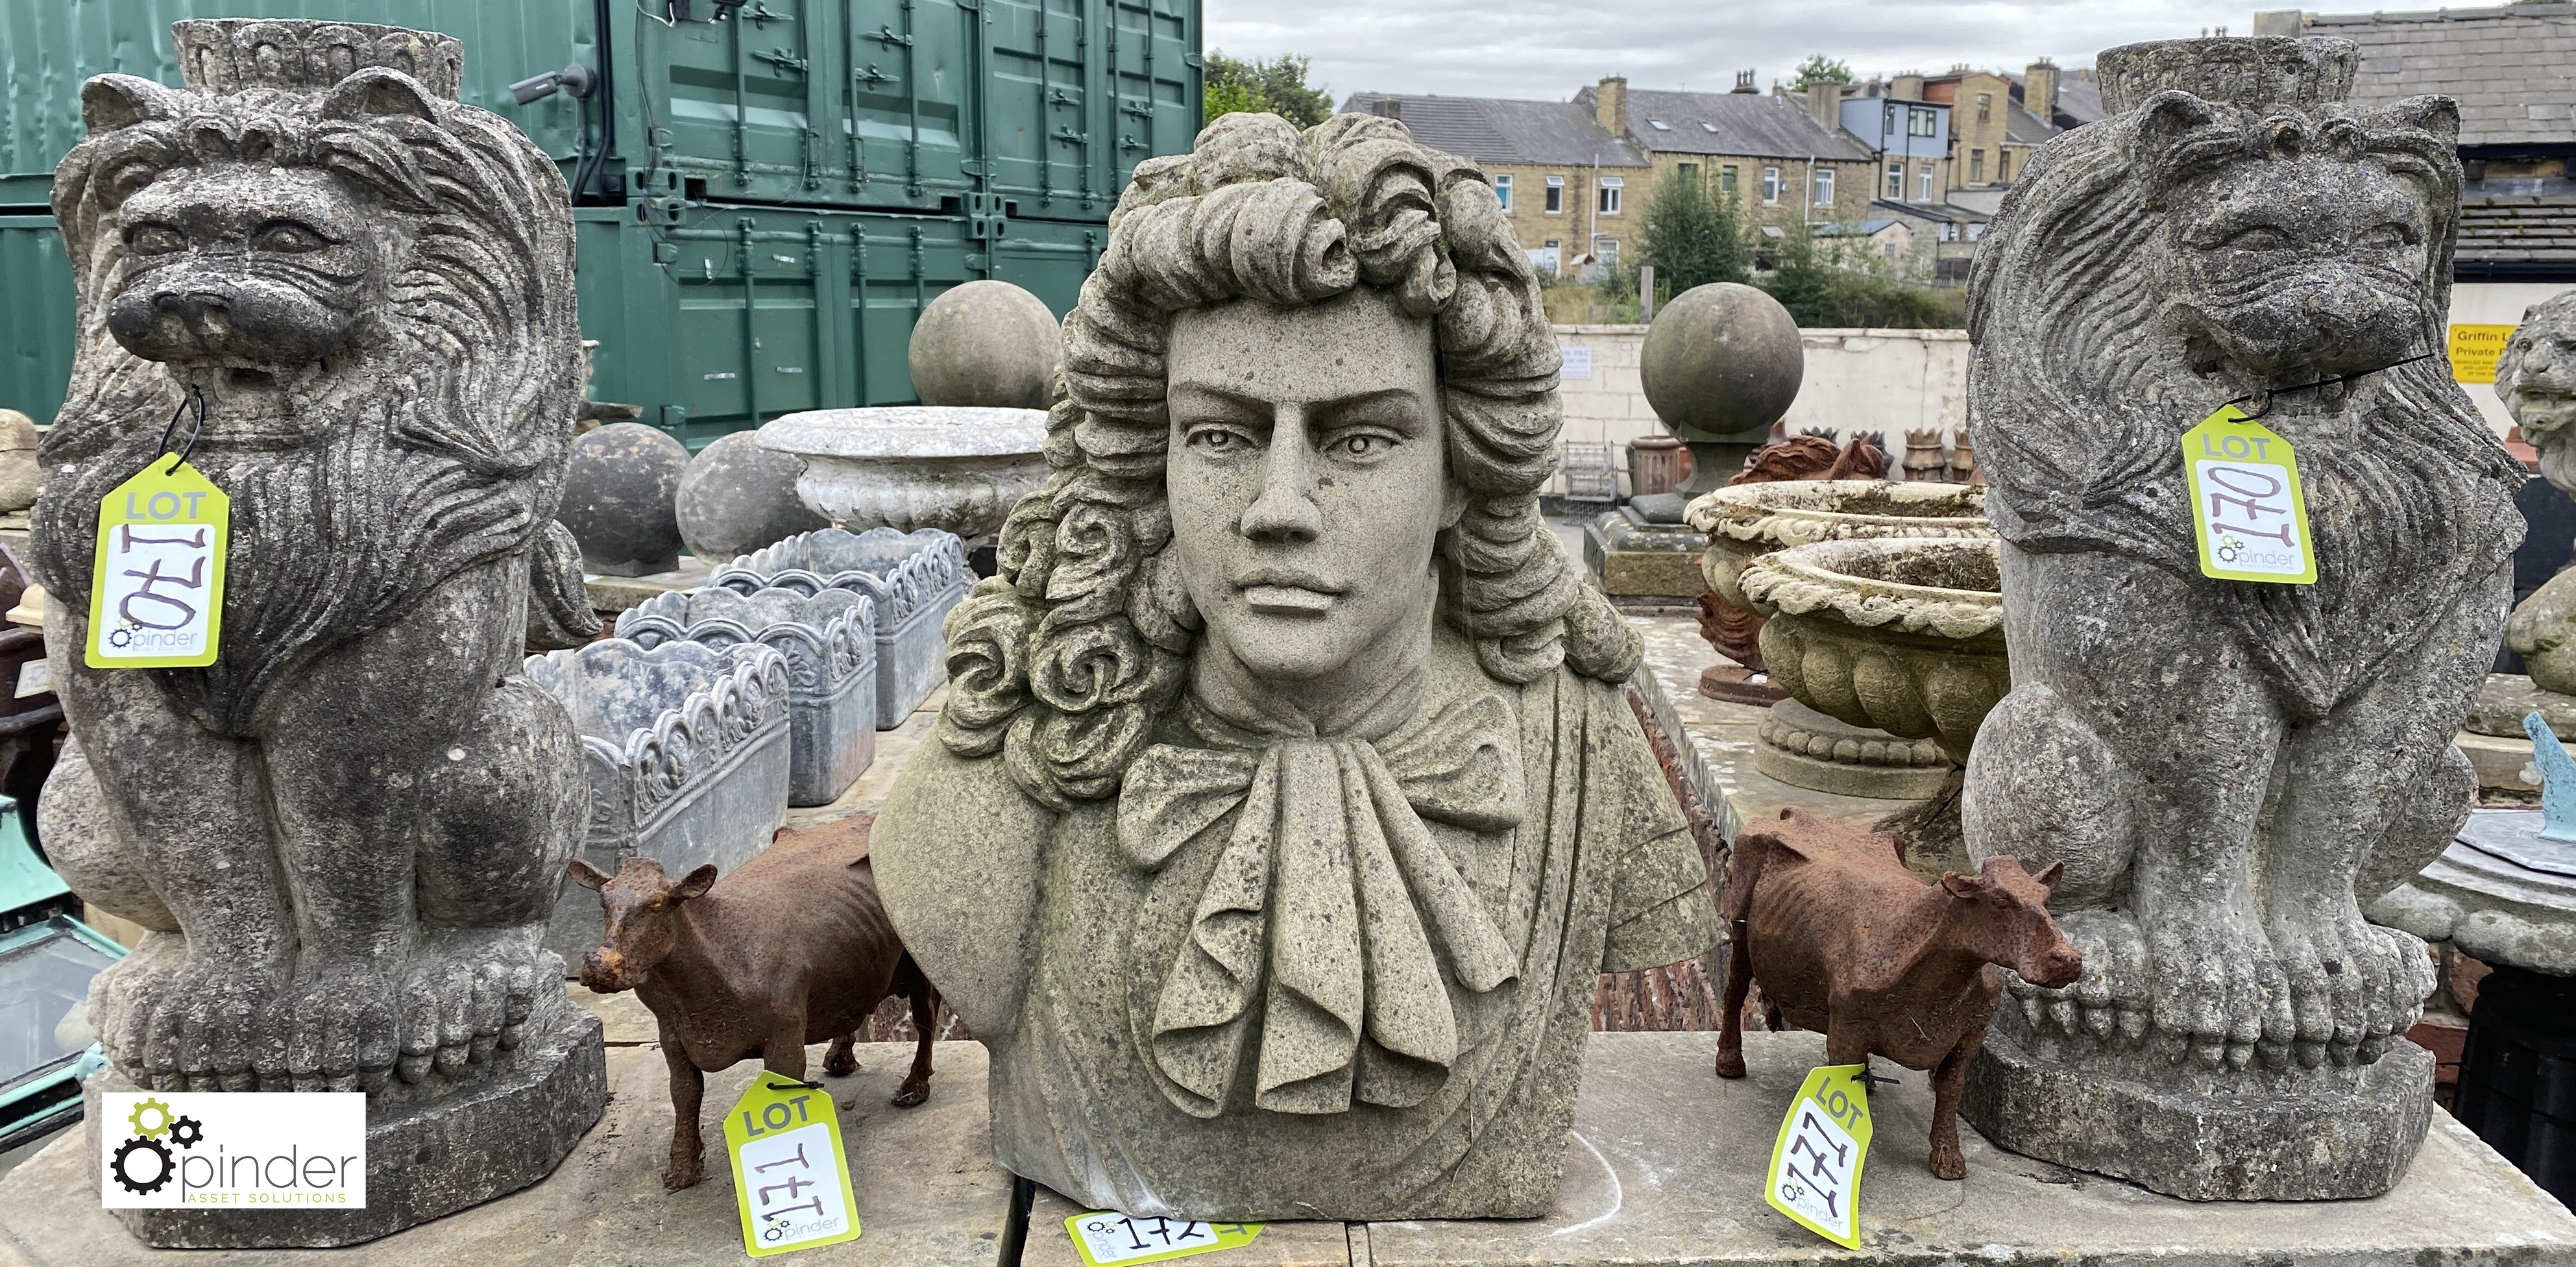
point(1610, 105)
point(1825, 102)
point(1907, 87)
point(2039, 90)
point(1744, 83)
point(2281, 22)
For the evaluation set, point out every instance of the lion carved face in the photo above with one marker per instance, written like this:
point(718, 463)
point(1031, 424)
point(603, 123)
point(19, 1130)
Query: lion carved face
point(240, 266)
point(2302, 267)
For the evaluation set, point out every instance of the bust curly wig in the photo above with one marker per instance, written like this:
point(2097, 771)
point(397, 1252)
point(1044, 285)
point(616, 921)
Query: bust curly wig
point(1064, 661)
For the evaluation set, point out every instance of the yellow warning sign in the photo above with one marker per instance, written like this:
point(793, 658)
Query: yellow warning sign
point(2474, 350)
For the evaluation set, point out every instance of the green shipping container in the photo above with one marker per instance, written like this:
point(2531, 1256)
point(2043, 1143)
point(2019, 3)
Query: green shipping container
point(876, 152)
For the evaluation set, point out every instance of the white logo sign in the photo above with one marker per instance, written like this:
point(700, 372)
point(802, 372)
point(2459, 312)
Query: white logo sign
point(1578, 363)
point(169, 1149)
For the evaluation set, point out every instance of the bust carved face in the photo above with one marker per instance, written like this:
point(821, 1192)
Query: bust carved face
point(1307, 482)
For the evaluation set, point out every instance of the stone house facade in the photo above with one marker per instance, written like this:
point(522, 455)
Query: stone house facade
point(1576, 175)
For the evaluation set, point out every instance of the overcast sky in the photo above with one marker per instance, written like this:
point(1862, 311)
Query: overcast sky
point(1545, 49)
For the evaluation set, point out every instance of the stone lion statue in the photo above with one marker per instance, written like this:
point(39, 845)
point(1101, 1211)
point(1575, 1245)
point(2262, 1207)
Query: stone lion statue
point(2536, 379)
point(348, 831)
point(1285, 808)
point(2221, 765)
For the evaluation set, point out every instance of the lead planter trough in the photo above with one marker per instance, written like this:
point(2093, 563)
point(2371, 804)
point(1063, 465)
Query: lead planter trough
point(957, 469)
point(912, 578)
point(687, 748)
point(830, 641)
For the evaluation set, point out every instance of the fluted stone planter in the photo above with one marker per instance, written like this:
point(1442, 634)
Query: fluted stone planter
point(1905, 635)
point(686, 746)
point(912, 579)
point(908, 467)
point(830, 641)
point(1746, 521)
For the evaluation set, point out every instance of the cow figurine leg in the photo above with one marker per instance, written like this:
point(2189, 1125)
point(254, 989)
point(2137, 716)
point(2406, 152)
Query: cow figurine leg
point(843, 1059)
point(909, 982)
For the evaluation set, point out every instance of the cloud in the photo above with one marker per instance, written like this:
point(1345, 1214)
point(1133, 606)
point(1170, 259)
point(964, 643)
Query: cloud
point(1545, 49)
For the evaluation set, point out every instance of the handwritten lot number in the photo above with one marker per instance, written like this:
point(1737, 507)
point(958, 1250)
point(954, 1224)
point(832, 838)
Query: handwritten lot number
point(1105, 1237)
point(1815, 1166)
point(156, 592)
point(2247, 509)
point(791, 1179)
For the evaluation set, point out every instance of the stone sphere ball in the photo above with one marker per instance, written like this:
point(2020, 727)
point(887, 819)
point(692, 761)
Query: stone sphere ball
point(988, 344)
point(618, 498)
point(1722, 360)
point(737, 497)
point(17, 460)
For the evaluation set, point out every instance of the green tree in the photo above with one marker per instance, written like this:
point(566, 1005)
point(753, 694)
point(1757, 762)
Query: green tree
point(1826, 285)
point(1819, 69)
point(1277, 86)
point(1694, 236)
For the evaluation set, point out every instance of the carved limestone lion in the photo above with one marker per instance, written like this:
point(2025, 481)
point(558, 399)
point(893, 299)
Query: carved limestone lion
point(348, 831)
point(2220, 764)
point(2536, 378)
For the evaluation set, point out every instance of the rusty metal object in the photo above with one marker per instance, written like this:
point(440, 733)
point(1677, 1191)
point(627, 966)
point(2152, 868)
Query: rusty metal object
point(793, 947)
point(1734, 683)
point(1847, 941)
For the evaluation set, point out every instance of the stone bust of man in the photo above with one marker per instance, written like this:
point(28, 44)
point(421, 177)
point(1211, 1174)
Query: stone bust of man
point(1285, 806)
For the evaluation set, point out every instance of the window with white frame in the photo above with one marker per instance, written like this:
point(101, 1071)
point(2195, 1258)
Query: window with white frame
point(1503, 190)
point(1726, 178)
point(1923, 182)
point(1823, 194)
point(1896, 181)
point(1556, 195)
point(1770, 185)
point(1608, 203)
point(1608, 250)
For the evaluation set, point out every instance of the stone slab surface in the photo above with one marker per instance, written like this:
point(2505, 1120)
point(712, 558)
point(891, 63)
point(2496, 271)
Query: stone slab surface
point(1719, 755)
point(1667, 1164)
point(2501, 762)
point(1315, 1244)
point(927, 1188)
point(610, 595)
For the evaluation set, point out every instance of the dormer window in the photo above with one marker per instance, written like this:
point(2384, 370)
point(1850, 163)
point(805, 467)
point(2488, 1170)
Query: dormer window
point(1659, 125)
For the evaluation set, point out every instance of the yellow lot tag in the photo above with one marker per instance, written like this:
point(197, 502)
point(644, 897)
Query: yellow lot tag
point(790, 1178)
point(1104, 1237)
point(1815, 1166)
point(2247, 509)
point(2475, 350)
point(156, 593)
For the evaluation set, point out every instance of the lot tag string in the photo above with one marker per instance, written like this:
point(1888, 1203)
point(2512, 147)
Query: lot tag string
point(2249, 513)
point(791, 1178)
point(1105, 1238)
point(1815, 1164)
point(156, 587)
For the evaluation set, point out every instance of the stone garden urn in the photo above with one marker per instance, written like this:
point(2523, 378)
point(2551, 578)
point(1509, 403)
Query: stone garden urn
point(909, 467)
point(1902, 635)
point(1798, 744)
point(830, 641)
point(687, 749)
point(913, 579)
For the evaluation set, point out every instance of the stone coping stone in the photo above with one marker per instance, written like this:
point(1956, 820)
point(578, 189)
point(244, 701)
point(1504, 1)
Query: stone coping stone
point(610, 595)
point(1667, 1162)
point(1716, 737)
point(927, 1187)
point(1302, 1244)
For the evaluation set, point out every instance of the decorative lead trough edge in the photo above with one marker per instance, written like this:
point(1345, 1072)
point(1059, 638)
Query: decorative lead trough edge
point(913, 596)
point(704, 782)
point(831, 666)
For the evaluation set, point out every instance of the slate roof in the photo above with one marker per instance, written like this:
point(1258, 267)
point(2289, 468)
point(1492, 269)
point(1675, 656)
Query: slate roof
point(1936, 212)
point(2512, 68)
point(1498, 130)
point(1749, 124)
point(1862, 229)
point(2528, 235)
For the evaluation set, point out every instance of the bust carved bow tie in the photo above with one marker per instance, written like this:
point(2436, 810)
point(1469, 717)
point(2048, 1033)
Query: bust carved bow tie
point(1331, 875)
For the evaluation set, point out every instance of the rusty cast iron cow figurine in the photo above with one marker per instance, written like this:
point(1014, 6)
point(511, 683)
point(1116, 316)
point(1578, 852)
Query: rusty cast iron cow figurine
point(1845, 940)
point(792, 948)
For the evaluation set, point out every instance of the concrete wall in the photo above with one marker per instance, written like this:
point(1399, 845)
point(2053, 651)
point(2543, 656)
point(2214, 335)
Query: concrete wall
point(1888, 381)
